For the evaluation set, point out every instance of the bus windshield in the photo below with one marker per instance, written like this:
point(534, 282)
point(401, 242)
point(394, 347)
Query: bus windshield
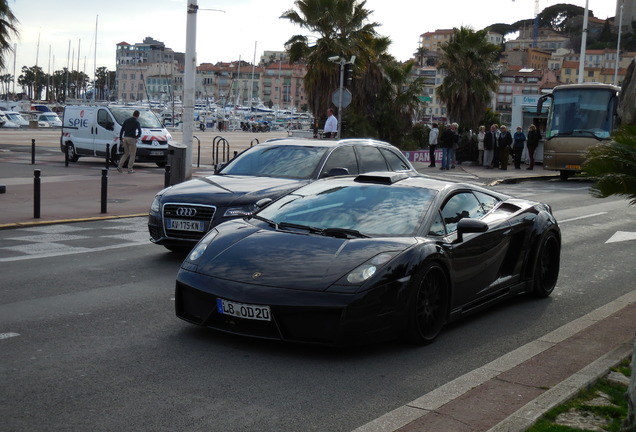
point(585, 112)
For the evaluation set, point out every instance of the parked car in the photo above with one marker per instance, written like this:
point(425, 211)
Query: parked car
point(368, 258)
point(181, 214)
point(50, 118)
point(5, 122)
point(17, 119)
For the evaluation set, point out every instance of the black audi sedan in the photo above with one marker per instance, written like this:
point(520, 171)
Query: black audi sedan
point(180, 215)
point(367, 258)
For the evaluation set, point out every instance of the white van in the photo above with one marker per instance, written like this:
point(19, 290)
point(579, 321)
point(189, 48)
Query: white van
point(88, 130)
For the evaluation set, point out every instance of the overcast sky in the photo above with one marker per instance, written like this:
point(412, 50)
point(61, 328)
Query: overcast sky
point(243, 26)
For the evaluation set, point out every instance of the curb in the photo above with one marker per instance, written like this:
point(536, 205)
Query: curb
point(60, 221)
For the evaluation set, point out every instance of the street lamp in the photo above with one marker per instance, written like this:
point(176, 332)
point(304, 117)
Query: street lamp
point(342, 62)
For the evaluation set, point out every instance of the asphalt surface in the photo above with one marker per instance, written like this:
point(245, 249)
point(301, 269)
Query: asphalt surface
point(508, 394)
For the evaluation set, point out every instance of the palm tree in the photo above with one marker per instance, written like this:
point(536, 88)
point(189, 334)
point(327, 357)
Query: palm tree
point(341, 29)
point(398, 102)
point(8, 23)
point(469, 61)
point(614, 165)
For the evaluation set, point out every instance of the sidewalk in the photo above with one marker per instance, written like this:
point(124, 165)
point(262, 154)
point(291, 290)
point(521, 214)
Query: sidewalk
point(506, 395)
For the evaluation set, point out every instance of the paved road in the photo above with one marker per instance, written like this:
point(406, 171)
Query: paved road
point(90, 341)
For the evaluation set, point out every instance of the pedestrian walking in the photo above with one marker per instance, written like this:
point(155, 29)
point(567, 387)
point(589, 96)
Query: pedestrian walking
point(128, 136)
point(519, 139)
point(534, 136)
point(432, 144)
point(504, 143)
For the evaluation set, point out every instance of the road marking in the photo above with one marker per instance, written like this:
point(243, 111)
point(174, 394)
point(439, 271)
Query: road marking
point(582, 217)
point(8, 335)
point(70, 251)
point(621, 236)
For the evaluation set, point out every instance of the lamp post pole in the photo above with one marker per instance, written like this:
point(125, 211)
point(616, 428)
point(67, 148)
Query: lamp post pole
point(342, 64)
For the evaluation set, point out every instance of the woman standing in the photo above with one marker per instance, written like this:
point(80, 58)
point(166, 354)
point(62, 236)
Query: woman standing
point(517, 148)
point(480, 144)
point(533, 142)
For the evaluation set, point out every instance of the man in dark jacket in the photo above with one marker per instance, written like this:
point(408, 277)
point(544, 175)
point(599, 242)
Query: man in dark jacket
point(490, 144)
point(505, 141)
point(128, 136)
point(447, 142)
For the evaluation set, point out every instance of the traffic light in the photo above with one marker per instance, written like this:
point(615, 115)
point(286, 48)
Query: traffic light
point(348, 74)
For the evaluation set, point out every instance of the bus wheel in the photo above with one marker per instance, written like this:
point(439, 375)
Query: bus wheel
point(564, 175)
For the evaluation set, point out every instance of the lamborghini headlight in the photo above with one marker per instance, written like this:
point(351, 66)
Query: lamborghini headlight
point(201, 247)
point(363, 272)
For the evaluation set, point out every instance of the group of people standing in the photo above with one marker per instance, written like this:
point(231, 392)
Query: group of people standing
point(498, 143)
point(448, 141)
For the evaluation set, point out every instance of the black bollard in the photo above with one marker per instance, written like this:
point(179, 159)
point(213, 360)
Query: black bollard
point(66, 154)
point(37, 182)
point(104, 189)
point(107, 155)
point(166, 177)
point(32, 152)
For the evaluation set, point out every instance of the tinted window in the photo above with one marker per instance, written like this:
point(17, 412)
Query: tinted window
point(437, 228)
point(396, 163)
point(370, 159)
point(104, 119)
point(488, 202)
point(285, 161)
point(461, 205)
point(147, 118)
point(342, 157)
point(369, 208)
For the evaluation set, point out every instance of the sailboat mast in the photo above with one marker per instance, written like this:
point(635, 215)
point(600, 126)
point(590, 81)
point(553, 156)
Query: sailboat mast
point(95, 61)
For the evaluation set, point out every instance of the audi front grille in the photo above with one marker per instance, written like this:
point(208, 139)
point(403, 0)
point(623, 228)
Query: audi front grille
point(185, 213)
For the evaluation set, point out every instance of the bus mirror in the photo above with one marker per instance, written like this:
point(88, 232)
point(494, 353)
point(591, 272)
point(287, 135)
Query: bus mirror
point(542, 99)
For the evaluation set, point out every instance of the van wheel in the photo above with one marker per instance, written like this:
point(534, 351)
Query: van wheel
point(70, 152)
point(161, 164)
point(114, 156)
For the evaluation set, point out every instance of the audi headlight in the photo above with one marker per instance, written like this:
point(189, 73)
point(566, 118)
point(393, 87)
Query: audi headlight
point(242, 211)
point(201, 247)
point(363, 272)
point(155, 207)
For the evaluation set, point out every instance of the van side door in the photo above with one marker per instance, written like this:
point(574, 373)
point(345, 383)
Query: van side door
point(103, 132)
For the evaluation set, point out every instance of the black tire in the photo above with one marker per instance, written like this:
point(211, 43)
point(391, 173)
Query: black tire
point(71, 153)
point(546, 266)
point(564, 175)
point(114, 156)
point(428, 304)
point(161, 164)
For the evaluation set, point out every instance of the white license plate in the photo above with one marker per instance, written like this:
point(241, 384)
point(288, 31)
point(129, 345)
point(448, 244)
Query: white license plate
point(242, 310)
point(184, 225)
point(156, 153)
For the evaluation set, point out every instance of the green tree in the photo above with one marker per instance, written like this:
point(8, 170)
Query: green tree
point(614, 165)
point(33, 80)
point(397, 103)
point(6, 81)
point(8, 28)
point(341, 29)
point(469, 62)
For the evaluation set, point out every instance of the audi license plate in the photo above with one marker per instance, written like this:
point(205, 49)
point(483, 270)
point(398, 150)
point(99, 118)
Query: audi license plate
point(184, 225)
point(241, 310)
